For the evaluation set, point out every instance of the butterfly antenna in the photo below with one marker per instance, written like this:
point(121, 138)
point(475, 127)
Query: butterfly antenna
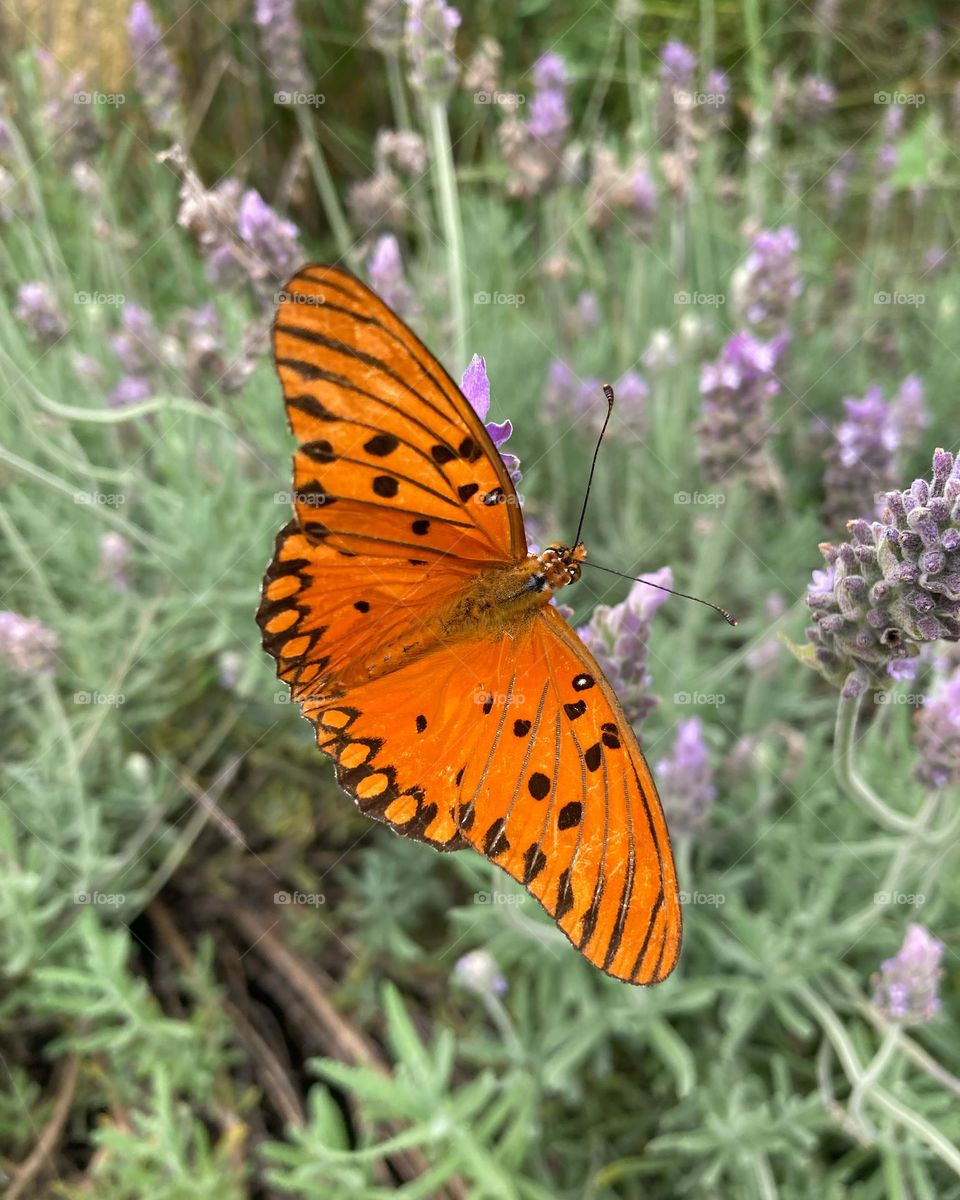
point(728, 617)
point(608, 392)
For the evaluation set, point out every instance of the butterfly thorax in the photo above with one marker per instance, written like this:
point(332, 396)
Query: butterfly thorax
point(504, 596)
point(501, 600)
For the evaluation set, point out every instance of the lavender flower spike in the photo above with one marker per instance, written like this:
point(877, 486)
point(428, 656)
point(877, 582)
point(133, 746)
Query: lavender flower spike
point(893, 586)
point(686, 779)
point(385, 268)
point(768, 282)
point(733, 431)
point(282, 39)
point(476, 387)
point(617, 637)
point(938, 734)
point(429, 35)
point(907, 986)
point(158, 79)
point(272, 239)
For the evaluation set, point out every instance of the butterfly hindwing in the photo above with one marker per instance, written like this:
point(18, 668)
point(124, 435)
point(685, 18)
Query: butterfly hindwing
point(392, 460)
point(518, 748)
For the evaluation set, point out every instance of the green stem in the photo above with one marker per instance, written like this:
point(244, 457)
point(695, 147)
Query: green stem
point(900, 1113)
point(398, 96)
point(844, 743)
point(324, 185)
point(861, 1091)
point(445, 182)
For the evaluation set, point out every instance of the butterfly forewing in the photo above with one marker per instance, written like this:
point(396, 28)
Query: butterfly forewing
point(392, 460)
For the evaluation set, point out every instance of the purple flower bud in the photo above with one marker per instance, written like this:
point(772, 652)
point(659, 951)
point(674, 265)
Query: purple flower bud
point(617, 637)
point(158, 80)
point(735, 425)
point(768, 282)
point(135, 344)
point(677, 64)
point(130, 390)
point(385, 268)
point(27, 647)
point(685, 779)
point(272, 240)
point(37, 310)
point(906, 989)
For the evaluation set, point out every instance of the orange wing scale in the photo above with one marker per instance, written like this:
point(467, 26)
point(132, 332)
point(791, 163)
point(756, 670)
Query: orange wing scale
point(500, 735)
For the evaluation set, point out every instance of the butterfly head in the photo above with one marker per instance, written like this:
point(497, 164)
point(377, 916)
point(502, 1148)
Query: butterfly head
point(561, 564)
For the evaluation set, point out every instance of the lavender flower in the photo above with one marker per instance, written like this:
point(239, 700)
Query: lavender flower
point(907, 985)
point(113, 565)
point(281, 39)
point(37, 310)
point(378, 201)
point(863, 460)
point(893, 586)
point(617, 637)
point(815, 98)
point(200, 337)
point(385, 268)
point(131, 389)
point(478, 972)
point(767, 283)
point(870, 441)
point(533, 149)
point(158, 79)
point(674, 106)
point(548, 117)
point(737, 389)
point(677, 64)
point(686, 779)
point(134, 344)
point(272, 240)
point(476, 387)
point(938, 734)
point(429, 37)
point(384, 20)
point(27, 647)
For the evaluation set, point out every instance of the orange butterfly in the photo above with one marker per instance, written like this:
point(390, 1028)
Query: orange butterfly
point(415, 631)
